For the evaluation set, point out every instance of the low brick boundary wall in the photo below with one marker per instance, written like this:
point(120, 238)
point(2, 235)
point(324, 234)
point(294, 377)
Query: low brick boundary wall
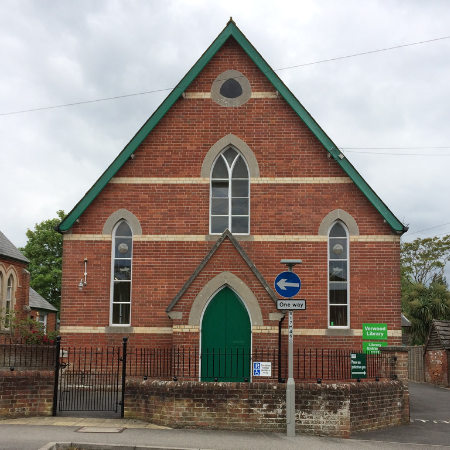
point(27, 393)
point(321, 409)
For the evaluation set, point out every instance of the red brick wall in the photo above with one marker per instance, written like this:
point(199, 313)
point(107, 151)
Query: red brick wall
point(28, 393)
point(377, 405)
point(325, 409)
point(51, 321)
point(437, 367)
point(283, 147)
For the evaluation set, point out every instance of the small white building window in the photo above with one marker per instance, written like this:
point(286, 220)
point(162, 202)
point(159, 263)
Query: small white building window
point(121, 274)
point(338, 301)
point(230, 193)
point(42, 319)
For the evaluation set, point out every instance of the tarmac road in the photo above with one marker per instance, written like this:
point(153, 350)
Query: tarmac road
point(32, 437)
point(430, 418)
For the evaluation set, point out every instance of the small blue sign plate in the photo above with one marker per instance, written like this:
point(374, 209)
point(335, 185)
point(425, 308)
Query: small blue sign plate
point(287, 284)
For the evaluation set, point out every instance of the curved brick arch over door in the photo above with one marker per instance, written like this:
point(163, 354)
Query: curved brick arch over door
point(226, 339)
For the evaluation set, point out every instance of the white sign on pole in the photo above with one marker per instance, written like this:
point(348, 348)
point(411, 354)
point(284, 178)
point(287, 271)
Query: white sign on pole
point(262, 369)
point(291, 304)
point(291, 326)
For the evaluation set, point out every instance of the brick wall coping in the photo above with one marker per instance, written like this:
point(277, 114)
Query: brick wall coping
point(27, 374)
point(394, 348)
point(261, 385)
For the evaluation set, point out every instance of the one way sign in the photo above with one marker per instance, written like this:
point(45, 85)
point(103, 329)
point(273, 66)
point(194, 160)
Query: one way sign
point(287, 284)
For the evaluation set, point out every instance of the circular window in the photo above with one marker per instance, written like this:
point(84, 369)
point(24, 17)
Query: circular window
point(231, 88)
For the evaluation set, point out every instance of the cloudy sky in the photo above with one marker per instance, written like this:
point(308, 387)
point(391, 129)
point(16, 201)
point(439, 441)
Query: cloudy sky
point(388, 110)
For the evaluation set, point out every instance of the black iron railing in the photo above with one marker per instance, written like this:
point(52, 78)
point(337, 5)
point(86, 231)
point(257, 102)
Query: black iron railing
point(211, 364)
point(17, 354)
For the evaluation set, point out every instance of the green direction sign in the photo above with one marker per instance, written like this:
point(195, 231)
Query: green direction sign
point(372, 347)
point(358, 365)
point(375, 331)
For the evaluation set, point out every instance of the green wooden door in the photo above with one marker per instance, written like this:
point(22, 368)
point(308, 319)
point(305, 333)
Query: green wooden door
point(226, 339)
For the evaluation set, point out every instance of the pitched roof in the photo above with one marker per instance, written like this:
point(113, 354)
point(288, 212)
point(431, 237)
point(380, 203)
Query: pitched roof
point(231, 31)
point(225, 235)
point(36, 301)
point(439, 336)
point(9, 250)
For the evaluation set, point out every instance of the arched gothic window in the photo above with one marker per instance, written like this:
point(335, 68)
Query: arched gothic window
point(338, 276)
point(9, 300)
point(121, 274)
point(230, 193)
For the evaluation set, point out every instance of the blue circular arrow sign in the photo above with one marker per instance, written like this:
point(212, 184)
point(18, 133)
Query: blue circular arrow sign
point(287, 284)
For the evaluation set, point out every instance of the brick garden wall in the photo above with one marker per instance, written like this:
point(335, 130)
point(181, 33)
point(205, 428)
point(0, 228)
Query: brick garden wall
point(437, 367)
point(321, 409)
point(27, 393)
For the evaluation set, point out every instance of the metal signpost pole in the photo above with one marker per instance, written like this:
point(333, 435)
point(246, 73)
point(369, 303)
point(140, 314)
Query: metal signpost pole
point(288, 284)
point(290, 387)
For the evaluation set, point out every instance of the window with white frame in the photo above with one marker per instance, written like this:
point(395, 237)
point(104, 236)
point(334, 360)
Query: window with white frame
point(42, 319)
point(121, 270)
point(9, 300)
point(338, 301)
point(230, 193)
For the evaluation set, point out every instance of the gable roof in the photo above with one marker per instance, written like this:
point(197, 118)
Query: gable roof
point(9, 250)
point(36, 301)
point(225, 235)
point(231, 31)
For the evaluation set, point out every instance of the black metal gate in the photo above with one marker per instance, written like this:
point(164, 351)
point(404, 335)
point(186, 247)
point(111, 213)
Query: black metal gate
point(90, 379)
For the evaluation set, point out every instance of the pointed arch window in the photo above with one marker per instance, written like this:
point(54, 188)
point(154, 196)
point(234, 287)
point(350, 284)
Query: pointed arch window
point(9, 300)
point(121, 274)
point(338, 292)
point(230, 193)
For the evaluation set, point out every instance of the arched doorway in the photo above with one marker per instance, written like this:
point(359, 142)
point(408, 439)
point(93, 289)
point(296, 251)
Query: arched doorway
point(226, 339)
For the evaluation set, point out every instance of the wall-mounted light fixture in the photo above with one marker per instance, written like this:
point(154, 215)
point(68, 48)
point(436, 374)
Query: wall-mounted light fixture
point(83, 282)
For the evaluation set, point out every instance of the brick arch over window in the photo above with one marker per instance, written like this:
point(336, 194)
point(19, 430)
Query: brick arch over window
point(11, 270)
point(339, 214)
point(241, 289)
point(240, 145)
point(122, 214)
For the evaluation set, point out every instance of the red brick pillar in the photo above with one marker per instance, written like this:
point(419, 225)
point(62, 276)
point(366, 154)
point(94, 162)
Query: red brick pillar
point(399, 362)
point(437, 367)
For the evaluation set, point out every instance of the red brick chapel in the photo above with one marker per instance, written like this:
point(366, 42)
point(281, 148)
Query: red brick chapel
point(182, 236)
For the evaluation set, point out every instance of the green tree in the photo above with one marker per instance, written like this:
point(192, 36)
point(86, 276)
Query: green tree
point(425, 294)
point(424, 259)
point(421, 304)
point(44, 250)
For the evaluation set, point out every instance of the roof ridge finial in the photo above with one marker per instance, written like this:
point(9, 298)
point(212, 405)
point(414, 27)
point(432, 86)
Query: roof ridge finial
point(231, 21)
